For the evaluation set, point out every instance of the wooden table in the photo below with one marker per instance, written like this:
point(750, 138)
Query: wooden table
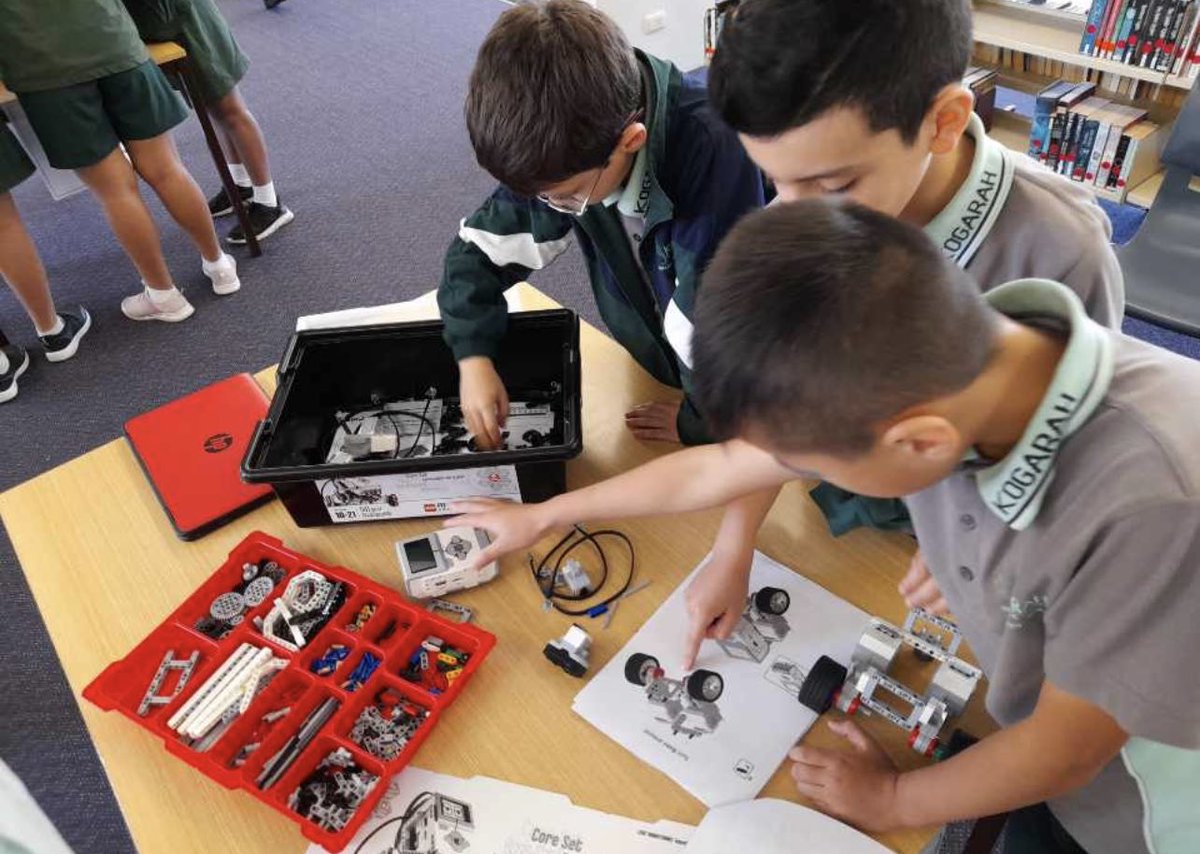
point(105, 567)
point(173, 59)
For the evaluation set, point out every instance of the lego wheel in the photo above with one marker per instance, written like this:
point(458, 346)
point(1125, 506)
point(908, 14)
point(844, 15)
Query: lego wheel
point(705, 685)
point(822, 682)
point(639, 668)
point(772, 600)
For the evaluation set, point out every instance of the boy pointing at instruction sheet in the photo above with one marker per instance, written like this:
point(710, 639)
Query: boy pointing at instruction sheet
point(1051, 470)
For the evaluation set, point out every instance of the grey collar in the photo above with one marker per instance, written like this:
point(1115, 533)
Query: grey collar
point(1014, 487)
point(962, 226)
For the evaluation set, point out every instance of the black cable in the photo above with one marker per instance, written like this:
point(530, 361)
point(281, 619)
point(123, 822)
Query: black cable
point(571, 541)
point(391, 414)
point(420, 428)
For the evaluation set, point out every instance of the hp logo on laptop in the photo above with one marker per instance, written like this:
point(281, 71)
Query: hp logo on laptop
point(218, 442)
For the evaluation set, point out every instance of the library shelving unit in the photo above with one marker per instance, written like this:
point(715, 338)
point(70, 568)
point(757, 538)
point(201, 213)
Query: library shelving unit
point(1053, 37)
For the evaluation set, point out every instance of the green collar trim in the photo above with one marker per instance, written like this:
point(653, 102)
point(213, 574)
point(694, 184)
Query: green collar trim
point(965, 223)
point(1015, 487)
point(634, 199)
point(662, 81)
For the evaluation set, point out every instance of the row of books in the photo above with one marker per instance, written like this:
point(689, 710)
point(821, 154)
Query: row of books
point(1021, 64)
point(1087, 138)
point(1161, 35)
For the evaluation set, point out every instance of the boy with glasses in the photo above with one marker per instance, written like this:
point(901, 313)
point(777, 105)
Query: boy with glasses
point(588, 136)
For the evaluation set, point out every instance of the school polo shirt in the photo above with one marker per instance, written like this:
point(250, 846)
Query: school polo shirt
point(1076, 559)
point(48, 44)
point(1014, 219)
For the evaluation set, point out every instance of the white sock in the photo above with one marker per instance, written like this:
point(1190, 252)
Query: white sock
point(160, 297)
point(221, 264)
point(3, 364)
point(240, 176)
point(265, 195)
point(53, 330)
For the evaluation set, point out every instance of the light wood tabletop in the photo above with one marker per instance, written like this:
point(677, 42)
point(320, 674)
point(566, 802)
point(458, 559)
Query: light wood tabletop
point(105, 568)
point(160, 52)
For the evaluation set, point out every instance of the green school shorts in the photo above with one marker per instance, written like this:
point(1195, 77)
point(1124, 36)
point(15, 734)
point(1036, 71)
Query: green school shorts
point(217, 61)
point(15, 165)
point(80, 125)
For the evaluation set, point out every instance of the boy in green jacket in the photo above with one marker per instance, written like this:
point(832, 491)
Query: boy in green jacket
point(590, 137)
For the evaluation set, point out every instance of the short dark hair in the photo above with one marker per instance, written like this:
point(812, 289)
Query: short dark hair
point(779, 64)
point(553, 87)
point(819, 320)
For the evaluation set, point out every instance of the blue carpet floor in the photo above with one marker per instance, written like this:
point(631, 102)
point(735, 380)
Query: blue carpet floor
point(362, 106)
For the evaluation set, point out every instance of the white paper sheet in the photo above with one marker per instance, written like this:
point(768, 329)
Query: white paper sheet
point(771, 826)
point(728, 756)
point(428, 813)
point(424, 307)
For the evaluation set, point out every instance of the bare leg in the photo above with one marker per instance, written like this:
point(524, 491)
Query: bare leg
point(157, 161)
point(22, 268)
point(240, 128)
point(114, 183)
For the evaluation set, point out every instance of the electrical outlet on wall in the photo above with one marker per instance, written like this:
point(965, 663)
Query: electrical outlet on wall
point(654, 21)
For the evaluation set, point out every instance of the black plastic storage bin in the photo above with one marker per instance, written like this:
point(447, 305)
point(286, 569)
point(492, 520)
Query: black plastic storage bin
point(330, 370)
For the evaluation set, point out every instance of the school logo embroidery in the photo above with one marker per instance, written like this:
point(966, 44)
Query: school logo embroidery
point(1026, 479)
point(218, 442)
point(1017, 613)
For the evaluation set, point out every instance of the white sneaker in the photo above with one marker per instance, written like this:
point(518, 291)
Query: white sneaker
point(171, 310)
point(223, 275)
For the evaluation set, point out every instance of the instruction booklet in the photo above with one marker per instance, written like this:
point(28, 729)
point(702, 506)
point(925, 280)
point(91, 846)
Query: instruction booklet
point(428, 813)
point(722, 730)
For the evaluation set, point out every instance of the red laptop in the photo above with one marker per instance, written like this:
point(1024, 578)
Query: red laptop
point(191, 450)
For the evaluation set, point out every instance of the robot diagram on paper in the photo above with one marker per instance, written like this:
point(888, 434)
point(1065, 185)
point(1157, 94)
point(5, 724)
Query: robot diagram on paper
point(688, 705)
point(432, 823)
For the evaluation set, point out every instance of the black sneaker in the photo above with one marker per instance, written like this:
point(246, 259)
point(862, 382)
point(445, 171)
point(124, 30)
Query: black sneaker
point(65, 344)
point(219, 205)
point(264, 221)
point(18, 363)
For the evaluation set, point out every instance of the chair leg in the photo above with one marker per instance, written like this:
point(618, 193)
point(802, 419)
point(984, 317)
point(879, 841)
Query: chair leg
point(183, 70)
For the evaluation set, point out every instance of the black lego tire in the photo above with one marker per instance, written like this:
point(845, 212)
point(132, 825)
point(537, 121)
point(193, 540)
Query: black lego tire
point(705, 685)
point(636, 666)
point(821, 683)
point(772, 600)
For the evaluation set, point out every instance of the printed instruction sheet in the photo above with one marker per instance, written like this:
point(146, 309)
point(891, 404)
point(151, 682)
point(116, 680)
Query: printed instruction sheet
point(428, 813)
point(722, 730)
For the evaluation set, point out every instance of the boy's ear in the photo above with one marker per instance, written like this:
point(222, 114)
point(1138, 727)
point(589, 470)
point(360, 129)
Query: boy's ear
point(929, 438)
point(633, 138)
point(950, 114)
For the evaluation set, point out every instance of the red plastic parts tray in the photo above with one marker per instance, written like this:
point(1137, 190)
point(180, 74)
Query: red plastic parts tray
point(124, 683)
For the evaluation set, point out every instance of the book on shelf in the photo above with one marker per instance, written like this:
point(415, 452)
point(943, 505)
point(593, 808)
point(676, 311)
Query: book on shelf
point(1158, 35)
point(982, 83)
point(1091, 139)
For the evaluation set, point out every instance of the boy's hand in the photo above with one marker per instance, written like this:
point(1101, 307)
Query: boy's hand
point(512, 526)
point(715, 600)
point(484, 400)
point(654, 422)
point(858, 786)
point(920, 590)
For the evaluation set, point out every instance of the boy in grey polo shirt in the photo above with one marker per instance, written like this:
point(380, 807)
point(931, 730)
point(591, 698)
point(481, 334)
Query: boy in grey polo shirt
point(1050, 465)
point(842, 111)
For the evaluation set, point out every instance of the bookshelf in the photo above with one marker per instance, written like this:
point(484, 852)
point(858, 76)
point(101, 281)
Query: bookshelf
point(1055, 36)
